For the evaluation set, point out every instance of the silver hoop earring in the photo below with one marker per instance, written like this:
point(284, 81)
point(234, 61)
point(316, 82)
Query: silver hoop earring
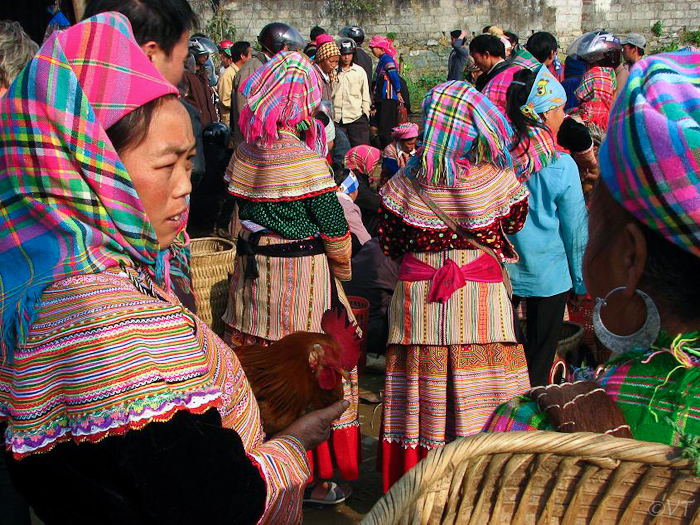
point(638, 341)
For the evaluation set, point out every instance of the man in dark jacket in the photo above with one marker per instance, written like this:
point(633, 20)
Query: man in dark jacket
point(459, 56)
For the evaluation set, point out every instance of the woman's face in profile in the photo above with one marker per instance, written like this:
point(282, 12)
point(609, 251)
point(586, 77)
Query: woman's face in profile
point(160, 168)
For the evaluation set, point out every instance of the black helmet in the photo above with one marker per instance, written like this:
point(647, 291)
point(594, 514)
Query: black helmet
point(276, 35)
point(597, 47)
point(201, 45)
point(217, 134)
point(354, 32)
point(347, 46)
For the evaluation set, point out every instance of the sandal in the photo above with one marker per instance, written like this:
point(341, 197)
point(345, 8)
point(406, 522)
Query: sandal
point(334, 495)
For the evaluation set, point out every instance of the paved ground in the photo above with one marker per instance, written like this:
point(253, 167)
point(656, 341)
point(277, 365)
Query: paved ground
point(367, 490)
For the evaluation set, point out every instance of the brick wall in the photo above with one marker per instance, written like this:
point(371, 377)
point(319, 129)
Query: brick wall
point(422, 27)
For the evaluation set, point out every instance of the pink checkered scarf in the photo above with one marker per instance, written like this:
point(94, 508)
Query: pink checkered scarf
point(384, 44)
point(362, 158)
point(596, 94)
point(282, 94)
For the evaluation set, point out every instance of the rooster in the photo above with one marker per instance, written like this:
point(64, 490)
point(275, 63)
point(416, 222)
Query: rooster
point(302, 371)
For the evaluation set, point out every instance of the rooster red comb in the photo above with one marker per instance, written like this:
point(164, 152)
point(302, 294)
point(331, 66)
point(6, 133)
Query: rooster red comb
point(335, 323)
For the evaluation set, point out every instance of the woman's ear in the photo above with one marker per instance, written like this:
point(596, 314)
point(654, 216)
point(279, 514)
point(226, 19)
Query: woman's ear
point(634, 256)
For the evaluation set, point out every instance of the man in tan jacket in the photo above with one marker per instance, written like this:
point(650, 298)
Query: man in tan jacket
point(351, 98)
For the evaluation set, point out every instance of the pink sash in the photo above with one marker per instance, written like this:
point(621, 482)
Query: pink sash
point(450, 278)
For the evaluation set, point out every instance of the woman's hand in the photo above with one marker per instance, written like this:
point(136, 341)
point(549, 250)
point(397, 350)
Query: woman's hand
point(314, 428)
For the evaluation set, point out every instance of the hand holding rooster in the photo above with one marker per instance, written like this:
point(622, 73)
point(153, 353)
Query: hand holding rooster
point(301, 372)
point(314, 428)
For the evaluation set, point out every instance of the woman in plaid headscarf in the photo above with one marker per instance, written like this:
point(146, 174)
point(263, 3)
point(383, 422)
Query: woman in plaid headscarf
point(108, 385)
point(295, 245)
point(645, 238)
point(452, 354)
point(552, 241)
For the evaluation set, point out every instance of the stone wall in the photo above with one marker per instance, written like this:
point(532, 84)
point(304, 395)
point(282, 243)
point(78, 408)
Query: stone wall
point(421, 27)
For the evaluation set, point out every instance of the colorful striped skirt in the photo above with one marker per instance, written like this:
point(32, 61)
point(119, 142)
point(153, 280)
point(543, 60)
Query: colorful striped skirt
point(435, 394)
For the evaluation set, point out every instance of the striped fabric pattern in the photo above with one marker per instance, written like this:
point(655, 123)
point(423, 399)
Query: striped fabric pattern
point(477, 313)
point(290, 294)
point(650, 159)
point(435, 394)
point(596, 94)
point(283, 93)
point(101, 359)
point(457, 118)
point(528, 156)
point(284, 171)
point(476, 200)
point(68, 203)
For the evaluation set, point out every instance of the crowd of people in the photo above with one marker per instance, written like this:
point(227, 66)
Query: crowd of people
point(529, 187)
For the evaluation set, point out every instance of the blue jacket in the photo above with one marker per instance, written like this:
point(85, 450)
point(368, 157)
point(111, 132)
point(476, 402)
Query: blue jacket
point(555, 234)
point(384, 90)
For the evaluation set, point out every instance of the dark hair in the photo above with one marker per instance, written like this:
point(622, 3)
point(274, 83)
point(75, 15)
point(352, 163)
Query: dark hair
point(490, 44)
point(541, 45)
point(640, 50)
point(512, 38)
point(486, 29)
point(160, 21)
point(316, 31)
point(670, 271)
point(239, 49)
point(516, 96)
point(130, 131)
point(455, 33)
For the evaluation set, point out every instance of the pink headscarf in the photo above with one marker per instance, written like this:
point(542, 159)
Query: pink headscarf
point(362, 158)
point(407, 130)
point(384, 44)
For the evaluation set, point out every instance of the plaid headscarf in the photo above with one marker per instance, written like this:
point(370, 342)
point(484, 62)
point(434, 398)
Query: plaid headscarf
point(282, 94)
point(528, 157)
point(326, 50)
point(407, 130)
point(362, 158)
point(383, 43)
point(596, 94)
point(69, 206)
point(524, 59)
point(457, 117)
point(650, 158)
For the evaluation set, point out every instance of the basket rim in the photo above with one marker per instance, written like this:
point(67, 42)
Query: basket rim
point(586, 445)
point(229, 242)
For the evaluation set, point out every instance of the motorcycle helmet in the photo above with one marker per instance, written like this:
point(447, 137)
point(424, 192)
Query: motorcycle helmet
point(201, 45)
point(347, 46)
point(355, 33)
point(277, 35)
point(597, 47)
point(225, 47)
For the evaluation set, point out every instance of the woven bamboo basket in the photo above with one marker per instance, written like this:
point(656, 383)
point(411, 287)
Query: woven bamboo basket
point(212, 265)
point(538, 477)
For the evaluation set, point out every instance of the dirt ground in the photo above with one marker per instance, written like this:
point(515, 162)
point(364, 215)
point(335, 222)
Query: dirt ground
point(368, 489)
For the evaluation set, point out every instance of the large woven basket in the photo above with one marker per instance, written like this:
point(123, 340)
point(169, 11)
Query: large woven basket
point(212, 265)
point(544, 478)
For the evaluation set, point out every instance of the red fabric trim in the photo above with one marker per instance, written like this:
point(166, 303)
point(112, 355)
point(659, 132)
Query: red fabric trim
point(286, 199)
point(342, 450)
point(394, 461)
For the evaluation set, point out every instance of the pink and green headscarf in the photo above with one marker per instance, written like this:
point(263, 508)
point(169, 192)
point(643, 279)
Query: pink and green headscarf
point(461, 127)
point(650, 158)
point(362, 159)
point(282, 94)
point(68, 204)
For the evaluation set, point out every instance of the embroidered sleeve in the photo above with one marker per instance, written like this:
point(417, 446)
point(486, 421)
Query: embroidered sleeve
point(284, 466)
point(515, 221)
point(326, 211)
